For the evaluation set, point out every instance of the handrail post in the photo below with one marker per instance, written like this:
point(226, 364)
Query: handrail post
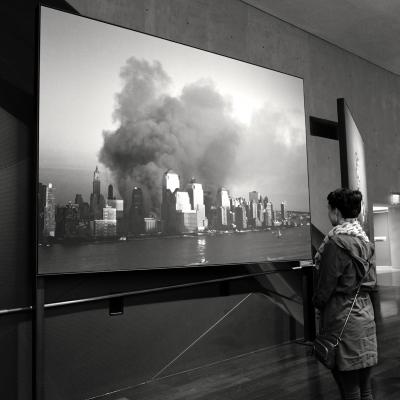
point(39, 341)
point(307, 273)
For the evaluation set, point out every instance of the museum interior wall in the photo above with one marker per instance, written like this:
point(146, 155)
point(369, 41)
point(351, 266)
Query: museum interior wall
point(86, 351)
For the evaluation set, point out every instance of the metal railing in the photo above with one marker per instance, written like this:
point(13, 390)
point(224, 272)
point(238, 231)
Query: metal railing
point(159, 290)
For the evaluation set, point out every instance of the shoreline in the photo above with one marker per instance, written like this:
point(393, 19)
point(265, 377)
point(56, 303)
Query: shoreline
point(131, 237)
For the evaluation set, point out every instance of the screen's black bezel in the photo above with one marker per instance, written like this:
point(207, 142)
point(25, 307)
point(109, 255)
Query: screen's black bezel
point(342, 105)
point(273, 263)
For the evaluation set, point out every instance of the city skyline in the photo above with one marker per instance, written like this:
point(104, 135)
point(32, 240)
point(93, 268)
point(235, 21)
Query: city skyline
point(193, 180)
point(185, 208)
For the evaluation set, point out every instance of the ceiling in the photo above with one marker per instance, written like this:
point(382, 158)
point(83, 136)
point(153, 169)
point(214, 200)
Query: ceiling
point(367, 28)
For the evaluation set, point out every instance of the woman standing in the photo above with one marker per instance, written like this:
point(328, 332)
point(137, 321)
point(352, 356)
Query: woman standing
point(339, 275)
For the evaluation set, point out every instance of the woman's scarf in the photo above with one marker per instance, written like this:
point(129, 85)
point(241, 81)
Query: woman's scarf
point(349, 227)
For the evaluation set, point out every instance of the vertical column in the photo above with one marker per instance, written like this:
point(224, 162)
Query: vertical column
point(39, 340)
point(308, 307)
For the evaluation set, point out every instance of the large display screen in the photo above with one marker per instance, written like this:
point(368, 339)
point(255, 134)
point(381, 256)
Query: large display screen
point(153, 154)
point(352, 158)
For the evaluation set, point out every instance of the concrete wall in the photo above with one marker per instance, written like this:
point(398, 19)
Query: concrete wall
point(228, 27)
point(394, 234)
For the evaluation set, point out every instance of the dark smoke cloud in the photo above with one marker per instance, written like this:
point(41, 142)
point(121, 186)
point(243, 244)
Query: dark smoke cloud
point(192, 133)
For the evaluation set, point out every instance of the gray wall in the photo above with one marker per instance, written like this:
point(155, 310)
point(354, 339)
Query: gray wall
point(228, 27)
point(394, 234)
point(17, 108)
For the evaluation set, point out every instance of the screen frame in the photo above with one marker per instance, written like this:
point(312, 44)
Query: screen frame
point(343, 137)
point(273, 263)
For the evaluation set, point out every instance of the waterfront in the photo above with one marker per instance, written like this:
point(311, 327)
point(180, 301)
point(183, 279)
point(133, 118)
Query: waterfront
point(167, 252)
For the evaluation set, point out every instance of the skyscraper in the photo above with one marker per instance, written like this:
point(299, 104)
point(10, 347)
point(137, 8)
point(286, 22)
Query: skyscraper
point(70, 220)
point(109, 213)
point(136, 213)
point(96, 181)
point(269, 211)
point(196, 195)
point(41, 204)
point(223, 204)
point(253, 196)
point(182, 201)
point(240, 217)
point(97, 201)
point(170, 184)
point(78, 199)
point(260, 214)
point(121, 221)
point(223, 198)
point(171, 181)
point(50, 212)
point(110, 192)
point(283, 211)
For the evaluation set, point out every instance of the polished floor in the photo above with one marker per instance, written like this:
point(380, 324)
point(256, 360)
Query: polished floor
point(282, 373)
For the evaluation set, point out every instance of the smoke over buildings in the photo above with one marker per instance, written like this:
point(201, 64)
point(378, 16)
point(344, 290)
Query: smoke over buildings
point(192, 132)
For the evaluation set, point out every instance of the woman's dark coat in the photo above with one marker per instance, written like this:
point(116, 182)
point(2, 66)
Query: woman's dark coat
point(338, 277)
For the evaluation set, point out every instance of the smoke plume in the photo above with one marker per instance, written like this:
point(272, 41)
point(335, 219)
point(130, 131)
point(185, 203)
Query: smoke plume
point(192, 133)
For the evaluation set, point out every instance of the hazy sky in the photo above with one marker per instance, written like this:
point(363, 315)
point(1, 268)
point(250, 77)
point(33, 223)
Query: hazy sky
point(80, 64)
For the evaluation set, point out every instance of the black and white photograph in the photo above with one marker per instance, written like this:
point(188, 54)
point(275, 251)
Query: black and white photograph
point(155, 154)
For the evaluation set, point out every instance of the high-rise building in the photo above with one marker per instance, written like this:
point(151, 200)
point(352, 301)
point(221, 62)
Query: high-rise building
point(97, 201)
point(253, 209)
point(71, 220)
point(96, 181)
point(223, 198)
point(284, 215)
point(182, 201)
point(117, 204)
point(136, 213)
point(260, 214)
point(84, 208)
point(49, 229)
point(253, 196)
point(121, 222)
point(208, 204)
point(78, 199)
point(41, 204)
point(67, 221)
point(110, 192)
point(241, 217)
point(196, 195)
point(170, 184)
point(171, 181)
point(109, 213)
point(222, 217)
point(223, 208)
point(186, 221)
point(103, 228)
point(269, 214)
